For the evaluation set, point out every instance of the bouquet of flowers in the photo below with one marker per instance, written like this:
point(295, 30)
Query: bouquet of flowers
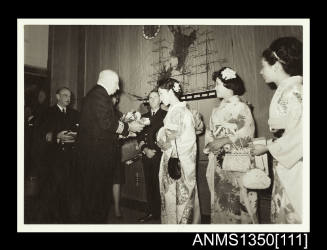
point(133, 116)
point(236, 156)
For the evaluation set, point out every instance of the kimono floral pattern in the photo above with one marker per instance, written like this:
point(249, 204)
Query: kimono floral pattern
point(178, 196)
point(285, 112)
point(282, 210)
point(231, 203)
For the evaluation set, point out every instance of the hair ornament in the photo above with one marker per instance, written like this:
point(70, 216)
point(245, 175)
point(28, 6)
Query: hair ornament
point(278, 59)
point(228, 74)
point(177, 87)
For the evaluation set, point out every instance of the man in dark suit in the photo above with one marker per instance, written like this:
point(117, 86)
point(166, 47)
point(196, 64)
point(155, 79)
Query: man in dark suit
point(59, 130)
point(97, 137)
point(151, 157)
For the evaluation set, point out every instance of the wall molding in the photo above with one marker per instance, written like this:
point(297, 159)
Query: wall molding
point(37, 71)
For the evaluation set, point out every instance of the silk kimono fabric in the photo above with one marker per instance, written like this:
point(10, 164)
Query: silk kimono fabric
point(179, 198)
point(285, 112)
point(231, 203)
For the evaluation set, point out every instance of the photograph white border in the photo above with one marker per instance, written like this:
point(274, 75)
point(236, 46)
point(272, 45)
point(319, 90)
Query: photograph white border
point(304, 227)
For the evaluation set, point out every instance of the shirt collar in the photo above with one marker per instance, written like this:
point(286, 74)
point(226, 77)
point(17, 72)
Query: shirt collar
point(61, 108)
point(154, 110)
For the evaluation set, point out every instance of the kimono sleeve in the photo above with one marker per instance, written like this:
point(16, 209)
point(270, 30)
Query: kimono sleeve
point(175, 124)
point(198, 122)
point(288, 149)
point(244, 122)
point(208, 134)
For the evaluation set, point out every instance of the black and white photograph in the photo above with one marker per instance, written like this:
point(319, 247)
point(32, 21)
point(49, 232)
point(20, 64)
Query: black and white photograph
point(140, 125)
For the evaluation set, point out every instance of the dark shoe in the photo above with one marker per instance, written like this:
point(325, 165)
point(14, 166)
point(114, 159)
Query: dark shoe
point(146, 218)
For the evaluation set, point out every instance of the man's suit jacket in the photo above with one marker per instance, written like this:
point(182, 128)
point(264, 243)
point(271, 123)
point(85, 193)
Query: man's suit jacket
point(97, 138)
point(57, 121)
point(54, 155)
point(148, 135)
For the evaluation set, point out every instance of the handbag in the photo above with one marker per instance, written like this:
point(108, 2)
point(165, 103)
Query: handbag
point(239, 162)
point(174, 167)
point(256, 179)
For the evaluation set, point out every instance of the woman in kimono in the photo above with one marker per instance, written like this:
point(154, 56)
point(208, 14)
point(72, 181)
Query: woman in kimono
point(282, 64)
point(231, 126)
point(177, 139)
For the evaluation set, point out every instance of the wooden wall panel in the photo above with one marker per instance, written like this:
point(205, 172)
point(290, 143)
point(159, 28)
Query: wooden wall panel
point(263, 36)
point(129, 71)
point(109, 48)
point(243, 49)
point(93, 35)
point(64, 59)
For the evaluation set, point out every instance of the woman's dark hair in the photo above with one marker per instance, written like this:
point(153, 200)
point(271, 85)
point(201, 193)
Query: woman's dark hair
point(288, 51)
point(168, 83)
point(236, 84)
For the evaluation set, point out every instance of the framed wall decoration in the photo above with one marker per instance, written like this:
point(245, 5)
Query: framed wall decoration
point(150, 31)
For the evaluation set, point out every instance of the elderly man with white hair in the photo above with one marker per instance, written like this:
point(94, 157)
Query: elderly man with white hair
point(99, 127)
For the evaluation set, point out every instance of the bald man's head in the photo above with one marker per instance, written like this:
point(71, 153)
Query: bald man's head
point(109, 80)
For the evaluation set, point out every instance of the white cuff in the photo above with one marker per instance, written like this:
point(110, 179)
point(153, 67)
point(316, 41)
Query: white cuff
point(120, 128)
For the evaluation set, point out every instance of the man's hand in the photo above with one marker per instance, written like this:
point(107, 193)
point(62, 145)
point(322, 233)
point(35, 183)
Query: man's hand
point(140, 145)
point(30, 118)
point(135, 126)
point(65, 136)
point(215, 145)
point(149, 152)
point(163, 145)
point(48, 137)
point(170, 134)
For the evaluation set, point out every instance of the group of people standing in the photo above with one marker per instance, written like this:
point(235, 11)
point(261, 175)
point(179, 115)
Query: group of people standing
point(172, 134)
point(232, 126)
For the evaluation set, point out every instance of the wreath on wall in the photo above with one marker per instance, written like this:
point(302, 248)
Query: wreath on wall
point(150, 31)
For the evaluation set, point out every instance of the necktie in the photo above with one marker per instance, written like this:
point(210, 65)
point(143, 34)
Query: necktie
point(153, 113)
point(64, 110)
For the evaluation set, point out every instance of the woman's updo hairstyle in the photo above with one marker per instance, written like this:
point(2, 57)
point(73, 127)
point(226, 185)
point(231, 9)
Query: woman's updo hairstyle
point(230, 79)
point(171, 83)
point(288, 51)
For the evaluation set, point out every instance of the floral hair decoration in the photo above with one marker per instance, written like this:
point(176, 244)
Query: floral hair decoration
point(228, 74)
point(177, 87)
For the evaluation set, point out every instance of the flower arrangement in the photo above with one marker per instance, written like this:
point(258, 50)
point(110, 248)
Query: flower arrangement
point(228, 74)
point(131, 116)
point(134, 116)
point(150, 31)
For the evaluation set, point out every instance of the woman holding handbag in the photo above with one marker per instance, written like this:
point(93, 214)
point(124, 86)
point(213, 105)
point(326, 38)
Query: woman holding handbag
point(282, 65)
point(230, 130)
point(177, 174)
